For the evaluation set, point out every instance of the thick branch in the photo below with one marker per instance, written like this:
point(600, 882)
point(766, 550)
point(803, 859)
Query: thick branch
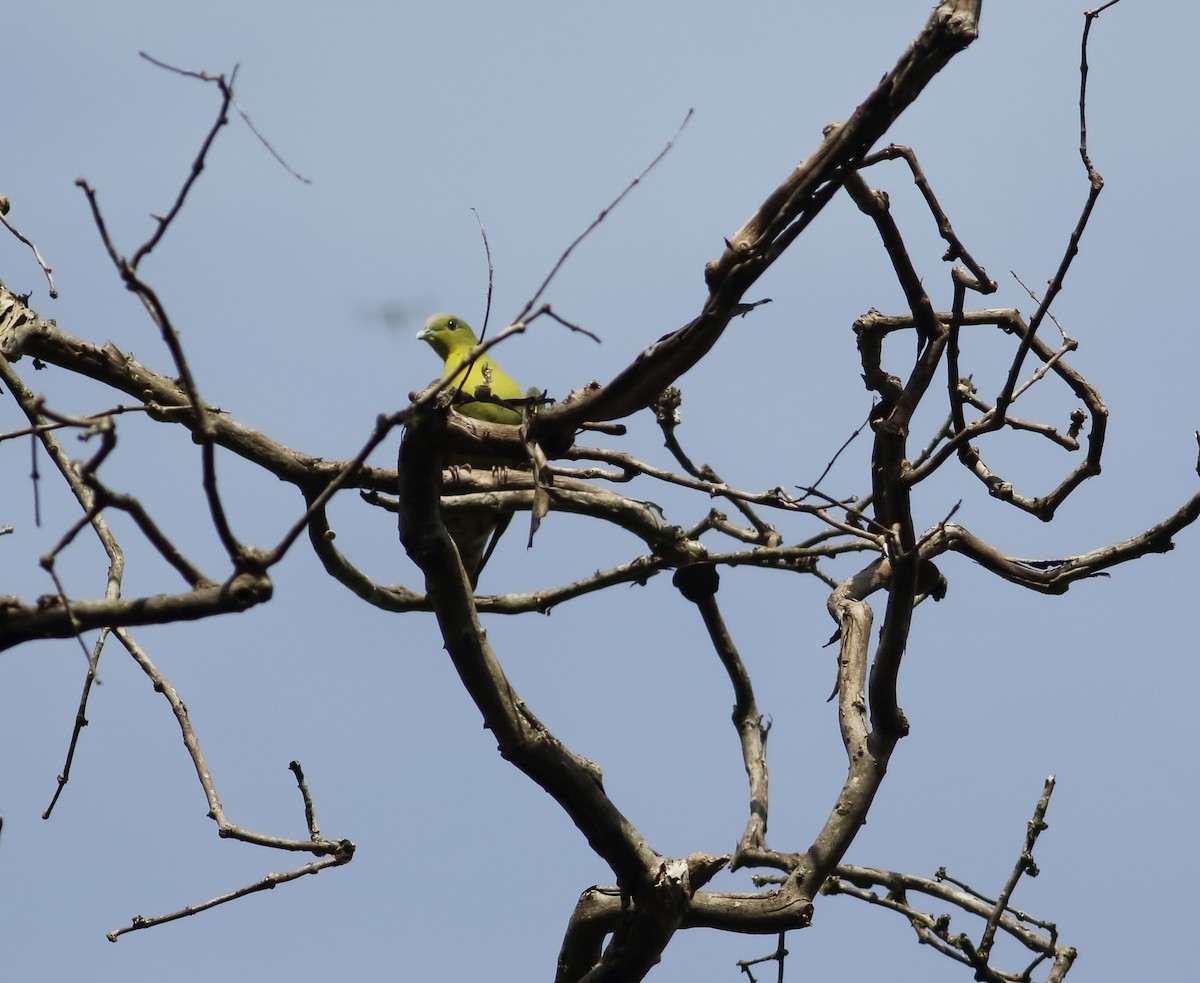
point(50, 619)
point(786, 212)
point(572, 781)
point(22, 332)
point(600, 909)
point(867, 763)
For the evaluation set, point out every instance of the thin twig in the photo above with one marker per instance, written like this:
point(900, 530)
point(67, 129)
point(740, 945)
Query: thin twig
point(1095, 186)
point(1037, 300)
point(265, 142)
point(666, 414)
point(269, 882)
point(537, 296)
point(811, 489)
point(342, 849)
point(383, 426)
point(49, 274)
point(31, 406)
point(164, 221)
point(228, 87)
point(487, 252)
point(1024, 865)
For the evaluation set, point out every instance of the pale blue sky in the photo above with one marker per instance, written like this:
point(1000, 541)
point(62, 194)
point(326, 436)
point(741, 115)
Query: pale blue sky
point(298, 304)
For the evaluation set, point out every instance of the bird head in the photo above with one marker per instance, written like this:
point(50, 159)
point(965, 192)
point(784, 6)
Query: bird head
point(447, 333)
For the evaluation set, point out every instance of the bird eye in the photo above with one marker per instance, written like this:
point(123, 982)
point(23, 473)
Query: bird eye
point(452, 324)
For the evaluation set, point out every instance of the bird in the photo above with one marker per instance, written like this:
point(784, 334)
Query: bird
point(475, 532)
point(452, 338)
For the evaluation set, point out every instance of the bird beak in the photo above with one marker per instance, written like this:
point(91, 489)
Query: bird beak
point(422, 335)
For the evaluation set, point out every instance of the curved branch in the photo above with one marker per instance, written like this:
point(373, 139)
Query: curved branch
point(867, 762)
point(873, 327)
point(1057, 575)
point(571, 780)
point(789, 209)
point(23, 332)
point(699, 585)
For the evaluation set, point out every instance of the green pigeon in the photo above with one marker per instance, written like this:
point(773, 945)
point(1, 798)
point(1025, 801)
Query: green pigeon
point(475, 532)
point(452, 338)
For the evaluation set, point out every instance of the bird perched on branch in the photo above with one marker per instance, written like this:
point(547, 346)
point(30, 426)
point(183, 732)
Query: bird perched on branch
point(452, 338)
point(475, 532)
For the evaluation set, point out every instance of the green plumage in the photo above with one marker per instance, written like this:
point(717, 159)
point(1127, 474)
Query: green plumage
point(474, 531)
point(452, 338)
